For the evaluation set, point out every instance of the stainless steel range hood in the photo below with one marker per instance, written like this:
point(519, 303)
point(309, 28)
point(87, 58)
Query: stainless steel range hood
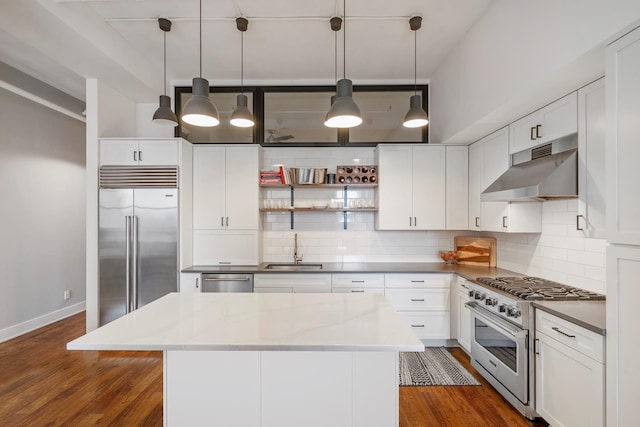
point(542, 173)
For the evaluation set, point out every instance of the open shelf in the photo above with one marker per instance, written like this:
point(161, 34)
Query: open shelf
point(351, 186)
point(318, 210)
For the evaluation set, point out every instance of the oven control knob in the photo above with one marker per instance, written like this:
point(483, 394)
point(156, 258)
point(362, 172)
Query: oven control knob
point(472, 293)
point(479, 296)
point(513, 312)
point(491, 301)
point(502, 308)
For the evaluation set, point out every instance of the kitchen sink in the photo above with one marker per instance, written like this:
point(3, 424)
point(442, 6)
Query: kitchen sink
point(292, 266)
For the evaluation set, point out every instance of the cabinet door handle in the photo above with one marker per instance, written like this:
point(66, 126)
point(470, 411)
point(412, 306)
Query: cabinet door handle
point(504, 222)
point(409, 221)
point(135, 156)
point(578, 222)
point(417, 281)
point(477, 221)
point(140, 155)
point(536, 345)
point(415, 221)
point(417, 299)
point(227, 221)
point(357, 281)
point(357, 290)
point(555, 328)
point(221, 221)
point(197, 285)
point(538, 131)
point(533, 138)
point(465, 286)
point(417, 326)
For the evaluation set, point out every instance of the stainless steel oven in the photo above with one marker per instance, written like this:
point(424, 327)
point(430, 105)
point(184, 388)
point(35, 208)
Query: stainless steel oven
point(500, 352)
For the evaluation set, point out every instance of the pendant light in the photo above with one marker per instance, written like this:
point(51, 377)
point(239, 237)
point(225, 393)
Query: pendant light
point(199, 109)
point(344, 112)
point(336, 25)
point(416, 117)
point(164, 115)
point(241, 116)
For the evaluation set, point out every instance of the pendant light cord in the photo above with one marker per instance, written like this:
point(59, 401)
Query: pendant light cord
point(164, 82)
point(344, 40)
point(241, 62)
point(335, 55)
point(415, 62)
point(200, 38)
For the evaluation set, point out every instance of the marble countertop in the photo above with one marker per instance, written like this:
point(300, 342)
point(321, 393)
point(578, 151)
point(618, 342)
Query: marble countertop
point(590, 315)
point(257, 322)
point(466, 271)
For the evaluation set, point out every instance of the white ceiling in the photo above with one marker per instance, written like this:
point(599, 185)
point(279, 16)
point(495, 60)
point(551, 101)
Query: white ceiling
point(62, 42)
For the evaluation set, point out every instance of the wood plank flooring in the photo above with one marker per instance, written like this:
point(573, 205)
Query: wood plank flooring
point(43, 384)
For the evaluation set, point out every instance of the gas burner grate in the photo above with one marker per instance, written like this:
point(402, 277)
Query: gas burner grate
point(536, 289)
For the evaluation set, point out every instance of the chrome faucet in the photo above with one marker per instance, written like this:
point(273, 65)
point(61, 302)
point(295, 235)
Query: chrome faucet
point(296, 259)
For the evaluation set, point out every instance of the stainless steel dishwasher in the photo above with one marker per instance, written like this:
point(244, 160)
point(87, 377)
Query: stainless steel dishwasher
point(227, 282)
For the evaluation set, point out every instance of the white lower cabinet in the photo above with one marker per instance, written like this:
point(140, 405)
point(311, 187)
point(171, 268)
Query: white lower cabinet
point(292, 283)
point(423, 300)
point(570, 373)
point(190, 282)
point(225, 247)
point(357, 283)
point(460, 314)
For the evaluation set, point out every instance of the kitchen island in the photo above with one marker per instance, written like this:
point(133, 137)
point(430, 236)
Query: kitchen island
point(269, 359)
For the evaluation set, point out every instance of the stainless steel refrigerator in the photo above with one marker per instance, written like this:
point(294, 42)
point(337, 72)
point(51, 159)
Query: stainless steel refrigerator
point(138, 243)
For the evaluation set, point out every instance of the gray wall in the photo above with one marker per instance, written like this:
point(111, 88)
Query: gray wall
point(42, 214)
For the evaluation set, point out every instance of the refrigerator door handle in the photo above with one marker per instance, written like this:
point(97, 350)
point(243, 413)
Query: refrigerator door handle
point(127, 263)
point(134, 261)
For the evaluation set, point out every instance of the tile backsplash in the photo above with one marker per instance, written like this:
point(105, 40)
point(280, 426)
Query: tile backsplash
point(559, 253)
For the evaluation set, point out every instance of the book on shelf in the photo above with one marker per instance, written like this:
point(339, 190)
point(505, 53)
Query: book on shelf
point(271, 177)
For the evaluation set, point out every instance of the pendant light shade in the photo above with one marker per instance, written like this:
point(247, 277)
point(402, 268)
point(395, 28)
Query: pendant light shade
point(344, 112)
point(164, 115)
point(199, 110)
point(416, 116)
point(241, 116)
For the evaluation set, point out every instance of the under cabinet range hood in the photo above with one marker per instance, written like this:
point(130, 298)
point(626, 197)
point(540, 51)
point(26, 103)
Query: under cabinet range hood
point(542, 173)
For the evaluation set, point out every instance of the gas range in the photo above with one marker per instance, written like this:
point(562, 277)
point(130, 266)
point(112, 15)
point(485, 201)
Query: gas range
point(510, 297)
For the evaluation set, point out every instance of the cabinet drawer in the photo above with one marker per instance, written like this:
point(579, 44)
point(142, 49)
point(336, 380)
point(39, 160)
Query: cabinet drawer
point(317, 282)
point(357, 280)
point(428, 325)
point(419, 300)
point(580, 339)
point(417, 280)
point(358, 290)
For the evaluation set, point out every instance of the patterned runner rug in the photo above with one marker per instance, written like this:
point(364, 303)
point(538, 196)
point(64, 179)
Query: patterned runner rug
point(434, 366)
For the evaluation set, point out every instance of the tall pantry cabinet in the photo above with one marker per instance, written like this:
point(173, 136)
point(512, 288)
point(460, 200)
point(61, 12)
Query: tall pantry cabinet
point(623, 228)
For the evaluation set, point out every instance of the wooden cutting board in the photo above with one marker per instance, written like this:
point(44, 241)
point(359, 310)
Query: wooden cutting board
point(479, 251)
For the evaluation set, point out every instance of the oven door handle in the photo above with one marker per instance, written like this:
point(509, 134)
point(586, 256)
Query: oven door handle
point(496, 321)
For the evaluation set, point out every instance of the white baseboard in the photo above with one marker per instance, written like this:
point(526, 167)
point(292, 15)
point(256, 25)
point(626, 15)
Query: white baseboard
point(40, 321)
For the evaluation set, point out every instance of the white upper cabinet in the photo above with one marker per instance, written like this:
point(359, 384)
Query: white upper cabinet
point(139, 152)
point(457, 187)
point(558, 119)
point(623, 140)
point(411, 192)
point(225, 187)
point(591, 160)
point(488, 159)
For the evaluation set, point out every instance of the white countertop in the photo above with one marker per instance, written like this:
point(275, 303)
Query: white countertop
point(257, 322)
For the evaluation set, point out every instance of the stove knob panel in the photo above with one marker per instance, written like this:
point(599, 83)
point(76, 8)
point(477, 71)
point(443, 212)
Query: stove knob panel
point(502, 308)
point(491, 301)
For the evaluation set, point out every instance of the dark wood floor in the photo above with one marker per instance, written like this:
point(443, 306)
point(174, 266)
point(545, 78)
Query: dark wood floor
point(43, 384)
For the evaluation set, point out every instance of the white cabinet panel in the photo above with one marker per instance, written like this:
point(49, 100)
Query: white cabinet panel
point(569, 385)
point(294, 282)
point(209, 189)
point(460, 314)
point(139, 152)
point(395, 188)
point(429, 202)
point(417, 280)
point(157, 152)
point(355, 290)
point(190, 283)
point(225, 247)
point(591, 160)
point(242, 187)
point(586, 342)
point(495, 162)
point(522, 133)
point(119, 152)
point(419, 300)
point(475, 185)
point(428, 325)
point(357, 280)
point(457, 187)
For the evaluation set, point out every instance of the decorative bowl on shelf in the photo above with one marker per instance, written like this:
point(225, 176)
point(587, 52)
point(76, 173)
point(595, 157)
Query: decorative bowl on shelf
point(449, 257)
point(319, 205)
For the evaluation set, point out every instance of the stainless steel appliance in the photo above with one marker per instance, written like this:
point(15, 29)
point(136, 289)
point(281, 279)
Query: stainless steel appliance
point(502, 323)
point(227, 282)
point(138, 237)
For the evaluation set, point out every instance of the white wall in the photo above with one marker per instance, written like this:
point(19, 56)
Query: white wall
point(559, 253)
point(519, 56)
point(42, 233)
point(321, 236)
